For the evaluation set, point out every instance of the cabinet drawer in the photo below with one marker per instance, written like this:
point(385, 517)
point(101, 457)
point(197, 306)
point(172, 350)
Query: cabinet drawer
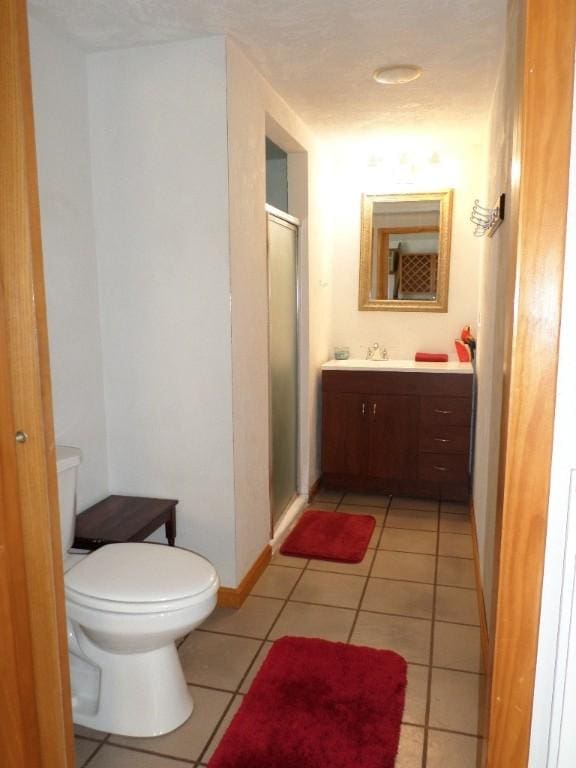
point(447, 411)
point(436, 438)
point(443, 467)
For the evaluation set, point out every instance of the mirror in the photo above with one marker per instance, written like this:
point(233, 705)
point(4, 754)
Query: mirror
point(405, 252)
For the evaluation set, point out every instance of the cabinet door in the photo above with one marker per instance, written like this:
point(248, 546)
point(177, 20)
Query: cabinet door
point(344, 433)
point(393, 437)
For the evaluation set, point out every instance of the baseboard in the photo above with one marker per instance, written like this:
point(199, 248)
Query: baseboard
point(314, 489)
point(233, 597)
point(484, 637)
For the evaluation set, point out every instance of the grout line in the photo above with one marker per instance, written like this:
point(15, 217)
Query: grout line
point(431, 652)
point(365, 587)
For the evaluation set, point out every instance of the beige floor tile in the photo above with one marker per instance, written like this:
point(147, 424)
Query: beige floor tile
point(367, 499)
point(455, 701)
point(222, 728)
point(116, 757)
point(458, 605)
point(416, 695)
point(451, 750)
point(276, 581)
point(330, 589)
point(89, 733)
point(255, 668)
point(457, 647)
point(402, 540)
point(413, 519)
point(410, 747)
point(455, 545)
point(378, 513)
point(456, 572)
point(455, 523)
point(375, 538)
point(303, 620)
point(216, 660)
point(84, 749)
point(188, 741)
point(404, 566)
point(405, 598)
point(288, 562)
point(409, 502)
point(329, 495)
point(325, 506)
point(352, 569)
point(408, 637)
point(455, 508)
point(253, 619)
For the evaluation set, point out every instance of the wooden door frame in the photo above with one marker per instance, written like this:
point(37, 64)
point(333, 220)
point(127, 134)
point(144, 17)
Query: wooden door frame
point(547, 38)
point(35, 708)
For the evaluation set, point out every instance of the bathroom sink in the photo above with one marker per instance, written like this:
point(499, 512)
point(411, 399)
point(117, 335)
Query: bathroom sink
point(452, 366)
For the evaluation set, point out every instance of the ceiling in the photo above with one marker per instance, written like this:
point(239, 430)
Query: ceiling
point(319, 54)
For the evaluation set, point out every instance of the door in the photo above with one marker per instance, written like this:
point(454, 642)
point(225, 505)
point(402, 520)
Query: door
point(283, 340)
point(393, 437)
point(35, 718)
point(344, 433)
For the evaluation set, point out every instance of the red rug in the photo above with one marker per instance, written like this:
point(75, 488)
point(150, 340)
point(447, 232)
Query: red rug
point(317, 704)
point(330, 536)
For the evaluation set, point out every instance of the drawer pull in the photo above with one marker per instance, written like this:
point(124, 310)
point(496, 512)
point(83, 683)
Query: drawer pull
point(363, 409)
point(373, 409)
point(442, 440)
point(440, 469)
point(439, 410)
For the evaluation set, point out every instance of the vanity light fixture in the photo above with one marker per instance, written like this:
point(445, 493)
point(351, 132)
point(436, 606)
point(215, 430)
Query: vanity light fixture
point(397, 74)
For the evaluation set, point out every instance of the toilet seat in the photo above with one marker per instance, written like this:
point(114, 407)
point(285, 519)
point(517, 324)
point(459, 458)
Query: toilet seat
point(140, 578)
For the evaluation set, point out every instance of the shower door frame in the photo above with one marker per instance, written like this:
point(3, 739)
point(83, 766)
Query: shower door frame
point(291, 221)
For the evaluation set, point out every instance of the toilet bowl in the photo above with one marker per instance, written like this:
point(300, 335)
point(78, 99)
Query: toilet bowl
point(126, 605)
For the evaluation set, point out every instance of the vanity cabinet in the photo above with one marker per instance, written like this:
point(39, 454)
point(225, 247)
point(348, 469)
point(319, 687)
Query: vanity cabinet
point(397, 432)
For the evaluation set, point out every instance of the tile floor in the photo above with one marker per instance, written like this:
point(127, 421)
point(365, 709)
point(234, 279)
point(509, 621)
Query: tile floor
point(413, 593)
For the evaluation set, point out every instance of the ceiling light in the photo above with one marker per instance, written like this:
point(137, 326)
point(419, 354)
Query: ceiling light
point(396, 75)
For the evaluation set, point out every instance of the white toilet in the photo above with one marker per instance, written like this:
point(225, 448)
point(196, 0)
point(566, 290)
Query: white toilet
point(126, 606)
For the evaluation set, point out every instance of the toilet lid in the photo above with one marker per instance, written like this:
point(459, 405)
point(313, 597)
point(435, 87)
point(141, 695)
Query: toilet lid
point(141, 573)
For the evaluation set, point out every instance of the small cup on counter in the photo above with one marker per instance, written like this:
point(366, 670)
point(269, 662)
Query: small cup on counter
point(341, 353)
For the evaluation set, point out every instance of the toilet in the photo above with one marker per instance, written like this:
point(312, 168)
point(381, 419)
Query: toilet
point(126, 605)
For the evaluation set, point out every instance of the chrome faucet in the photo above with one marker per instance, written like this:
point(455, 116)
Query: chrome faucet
point(375, 352)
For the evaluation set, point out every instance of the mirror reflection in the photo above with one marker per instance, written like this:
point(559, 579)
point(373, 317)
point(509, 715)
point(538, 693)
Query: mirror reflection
point(404, 260)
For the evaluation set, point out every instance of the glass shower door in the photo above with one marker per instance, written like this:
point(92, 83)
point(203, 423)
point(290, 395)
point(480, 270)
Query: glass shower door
point(283, 339)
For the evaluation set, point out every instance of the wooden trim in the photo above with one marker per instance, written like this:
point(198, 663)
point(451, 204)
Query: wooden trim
point(28, 470)
point(314, 488)
point(546, 53)
point(484, 637)
point(233, 597)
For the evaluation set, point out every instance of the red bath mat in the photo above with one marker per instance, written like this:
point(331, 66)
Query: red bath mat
point(318, 704)
point(330, 536)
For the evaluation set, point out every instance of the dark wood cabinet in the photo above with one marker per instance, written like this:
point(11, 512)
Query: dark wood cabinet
point(396, 432)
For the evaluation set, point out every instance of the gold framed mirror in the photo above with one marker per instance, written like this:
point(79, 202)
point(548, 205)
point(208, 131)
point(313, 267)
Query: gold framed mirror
point(405, 252)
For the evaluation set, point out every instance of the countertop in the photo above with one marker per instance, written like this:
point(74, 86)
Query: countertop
point(406, 366)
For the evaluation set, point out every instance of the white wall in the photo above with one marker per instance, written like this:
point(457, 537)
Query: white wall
point(64, 175)
point(251, 102)
point(158, 123)
point(393, 165)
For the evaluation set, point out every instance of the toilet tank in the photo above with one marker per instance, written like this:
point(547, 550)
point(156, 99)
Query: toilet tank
point(67, 462)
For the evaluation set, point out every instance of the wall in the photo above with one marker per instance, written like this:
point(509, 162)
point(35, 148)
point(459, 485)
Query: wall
point(393, 165)
point(254, 110)
point(491, 339)
point(64, 175)
point(158, 123)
